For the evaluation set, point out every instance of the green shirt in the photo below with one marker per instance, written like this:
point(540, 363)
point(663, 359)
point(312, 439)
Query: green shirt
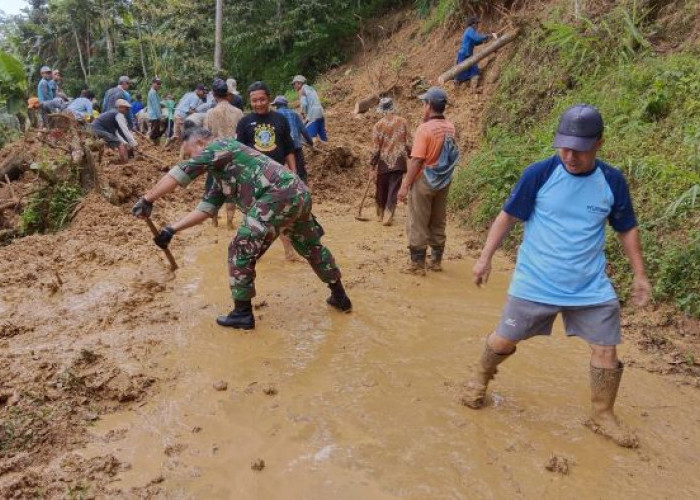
point(241, 175)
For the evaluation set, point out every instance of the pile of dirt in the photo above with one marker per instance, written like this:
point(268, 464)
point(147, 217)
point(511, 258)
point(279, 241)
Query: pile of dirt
point(81, 309)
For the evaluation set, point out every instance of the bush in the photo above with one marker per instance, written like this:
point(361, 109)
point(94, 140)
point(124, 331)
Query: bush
point(651, 108)
point(50, 208)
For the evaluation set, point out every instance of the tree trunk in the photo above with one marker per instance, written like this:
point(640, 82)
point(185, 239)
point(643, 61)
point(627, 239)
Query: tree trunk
point(143, 58)
point(489, 49)
point(217, 34)
point(110, 43)
point(80, 55)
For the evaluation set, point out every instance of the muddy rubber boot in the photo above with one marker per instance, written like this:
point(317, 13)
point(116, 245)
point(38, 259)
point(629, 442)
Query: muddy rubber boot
point(416, 263)
point(390, 217)
point(435, 263)
point(240, 318)
point(604, 385)
point(475, 390)
point(339, 299)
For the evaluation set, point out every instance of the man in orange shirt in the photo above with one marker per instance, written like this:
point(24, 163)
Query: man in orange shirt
point(427, 183)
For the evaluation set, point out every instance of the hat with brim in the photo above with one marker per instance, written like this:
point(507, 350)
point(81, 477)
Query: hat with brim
point(299, 79)
point(386, 105)
point(580, 128)
point(280, 100)
point(435, 95)
point(44, 69)
point(574, 142)
point(122, 103)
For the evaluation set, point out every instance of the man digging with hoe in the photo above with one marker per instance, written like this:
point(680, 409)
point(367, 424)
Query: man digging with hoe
point(273, 200)
point(565, 202)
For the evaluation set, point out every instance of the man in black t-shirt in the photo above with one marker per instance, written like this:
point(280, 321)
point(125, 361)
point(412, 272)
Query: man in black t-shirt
point(265, 130)
point(268, 132)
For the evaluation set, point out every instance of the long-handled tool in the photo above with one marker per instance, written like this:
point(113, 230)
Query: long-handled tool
point(362, 202)
point(171, 259)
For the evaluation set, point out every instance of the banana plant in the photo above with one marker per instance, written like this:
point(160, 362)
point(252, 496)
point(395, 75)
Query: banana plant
point(13, 84)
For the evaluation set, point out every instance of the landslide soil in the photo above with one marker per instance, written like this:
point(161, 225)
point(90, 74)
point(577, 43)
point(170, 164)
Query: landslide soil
point(107, 359)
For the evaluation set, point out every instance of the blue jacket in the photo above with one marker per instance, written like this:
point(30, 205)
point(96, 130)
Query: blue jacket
point(470, 39)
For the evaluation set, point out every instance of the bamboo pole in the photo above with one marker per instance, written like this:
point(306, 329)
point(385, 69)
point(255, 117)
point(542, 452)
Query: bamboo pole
point(489, 49)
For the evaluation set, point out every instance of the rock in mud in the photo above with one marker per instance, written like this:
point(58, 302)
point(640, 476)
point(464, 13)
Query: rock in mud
point(270, 390)
point(257, 465)
point(558, 463)
point(220, 385)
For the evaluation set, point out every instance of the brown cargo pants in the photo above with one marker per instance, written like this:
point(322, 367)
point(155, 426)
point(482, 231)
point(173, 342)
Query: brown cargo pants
point(427, 215)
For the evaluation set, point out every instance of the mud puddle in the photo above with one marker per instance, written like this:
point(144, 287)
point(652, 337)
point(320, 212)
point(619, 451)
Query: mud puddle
point(364, 405)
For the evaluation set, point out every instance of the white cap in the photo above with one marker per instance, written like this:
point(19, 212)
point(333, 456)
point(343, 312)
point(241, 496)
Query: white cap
point(299, 79)
point(44, 69)
point(122, 102)
point(231, 84)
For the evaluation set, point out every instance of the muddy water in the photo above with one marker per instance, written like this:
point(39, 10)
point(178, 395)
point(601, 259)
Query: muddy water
point(363, 405)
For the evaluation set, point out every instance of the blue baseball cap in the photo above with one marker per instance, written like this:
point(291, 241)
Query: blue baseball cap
point(280, 100)
point(434, 94)
point(580, 127)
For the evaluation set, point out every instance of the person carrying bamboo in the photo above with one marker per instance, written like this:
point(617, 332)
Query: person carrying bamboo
point(471, 39)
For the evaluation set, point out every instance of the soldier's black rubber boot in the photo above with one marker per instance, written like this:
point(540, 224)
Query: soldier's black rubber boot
point(339, 299)
point(240, 318)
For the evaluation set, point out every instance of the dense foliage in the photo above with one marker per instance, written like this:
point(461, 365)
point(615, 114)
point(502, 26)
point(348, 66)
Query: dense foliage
point(652, 110)
point(95, 41)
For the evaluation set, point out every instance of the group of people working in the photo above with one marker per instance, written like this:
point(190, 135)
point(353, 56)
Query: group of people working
point(255, 163)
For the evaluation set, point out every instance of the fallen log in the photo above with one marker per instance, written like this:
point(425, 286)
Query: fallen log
point(489, 49)
point(367, 103)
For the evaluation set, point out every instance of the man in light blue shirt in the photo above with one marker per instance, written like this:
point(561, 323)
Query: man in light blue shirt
point(154, 111)
point(187, 105)
point(311, 108)
point(565, 203)
point(81, 107)
point(50, 102)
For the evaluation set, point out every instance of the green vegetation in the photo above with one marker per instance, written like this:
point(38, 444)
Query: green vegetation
point(651, 105)
point(94, 42)
point(50, 208)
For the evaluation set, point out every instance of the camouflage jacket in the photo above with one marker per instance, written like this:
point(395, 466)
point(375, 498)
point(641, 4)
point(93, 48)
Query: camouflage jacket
point(241, 175)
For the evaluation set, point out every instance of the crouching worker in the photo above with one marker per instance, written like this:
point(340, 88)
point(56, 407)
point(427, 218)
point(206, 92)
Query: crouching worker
point(273, 200)
point(112, 126)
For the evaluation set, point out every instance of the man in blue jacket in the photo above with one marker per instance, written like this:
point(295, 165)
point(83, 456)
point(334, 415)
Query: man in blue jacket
point(565, 203)
point(470, 39)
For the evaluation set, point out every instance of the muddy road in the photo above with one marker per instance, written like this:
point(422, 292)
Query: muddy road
point(364, 405)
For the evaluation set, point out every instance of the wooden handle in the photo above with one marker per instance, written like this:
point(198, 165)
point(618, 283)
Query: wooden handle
point(364, 197)
point(168, 254)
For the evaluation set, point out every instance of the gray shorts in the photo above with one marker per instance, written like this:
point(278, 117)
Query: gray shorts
point(597, 324)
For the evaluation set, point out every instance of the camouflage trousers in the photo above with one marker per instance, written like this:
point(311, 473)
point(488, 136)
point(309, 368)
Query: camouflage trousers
point(265, 221)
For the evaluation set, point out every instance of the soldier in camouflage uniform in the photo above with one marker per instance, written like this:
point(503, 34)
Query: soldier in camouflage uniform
point(273, 200)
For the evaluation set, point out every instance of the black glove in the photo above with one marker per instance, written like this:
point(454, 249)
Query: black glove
point(142, 208)
point(163, 239)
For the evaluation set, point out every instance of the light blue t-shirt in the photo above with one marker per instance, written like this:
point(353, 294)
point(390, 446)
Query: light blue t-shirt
point(81, 107)
point(153, 104)
point(44, 90)
point(561, 260)
point(189, 101)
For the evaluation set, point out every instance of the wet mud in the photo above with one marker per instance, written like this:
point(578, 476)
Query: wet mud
point(365, 405)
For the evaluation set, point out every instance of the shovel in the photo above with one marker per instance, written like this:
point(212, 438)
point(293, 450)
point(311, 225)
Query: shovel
point(171, 259)
point(362, 202)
